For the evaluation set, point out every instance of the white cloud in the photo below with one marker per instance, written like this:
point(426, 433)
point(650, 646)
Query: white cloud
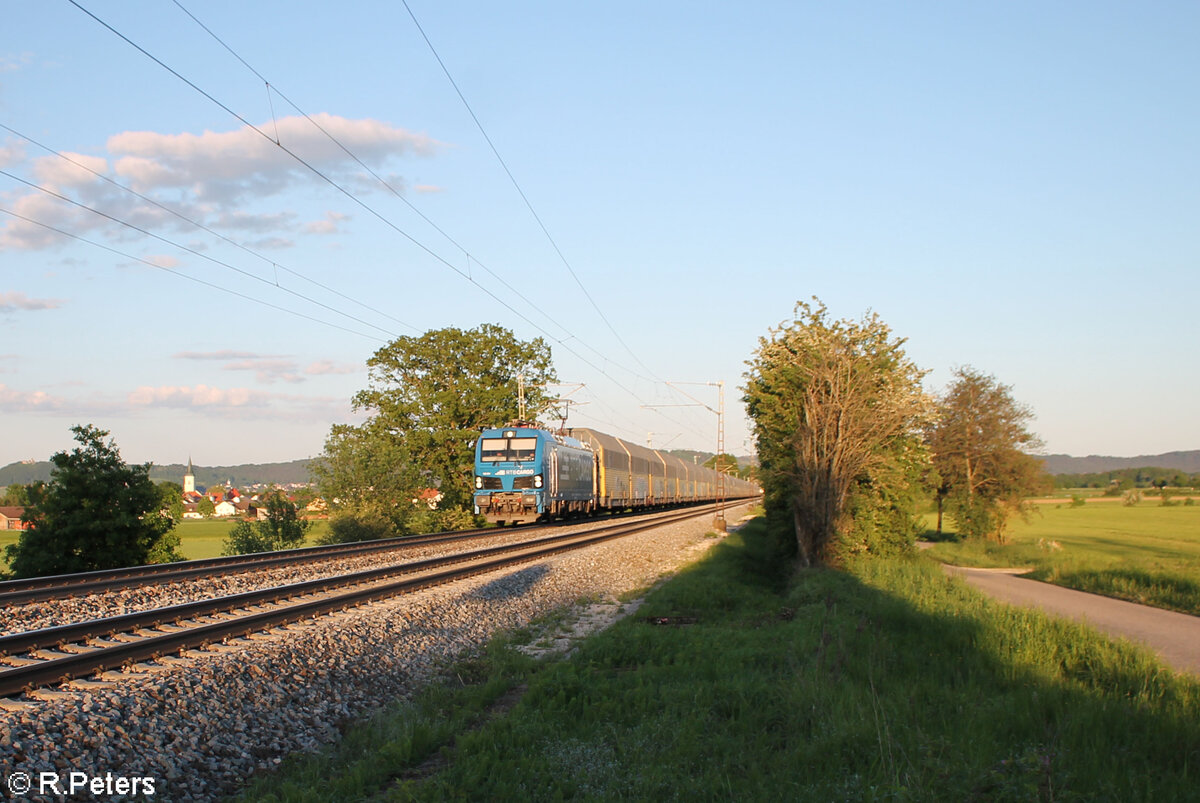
point(226, 167)
point(210, 178)
point(16, 300)
point(228, 404)
point(224, 355)
point(12, 63)
point(162, 260)
point(330, 225)
point(270, 242)
point(198, 396)
point(11, 153)
point(16, 401)
point(267, 368)
point(80, 170)
point(268, 371)
point(323, 367)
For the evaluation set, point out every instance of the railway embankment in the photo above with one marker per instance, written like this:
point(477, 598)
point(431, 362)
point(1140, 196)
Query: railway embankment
point(743, 679)
point(201, 724)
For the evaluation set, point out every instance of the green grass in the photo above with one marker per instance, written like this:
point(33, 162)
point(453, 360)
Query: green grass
point(890, 681)
point(1147, 553)
point(203, 538)
point(6, 537)
point(199, 538)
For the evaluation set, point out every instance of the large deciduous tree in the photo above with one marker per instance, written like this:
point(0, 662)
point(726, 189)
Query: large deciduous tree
point(980, 448)
point(838, 409)
point(428, 398)
point(95, 513)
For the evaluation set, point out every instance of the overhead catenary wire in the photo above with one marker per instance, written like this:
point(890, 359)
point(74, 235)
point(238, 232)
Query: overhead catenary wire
point(145, 261)
point(470, 257)
point(375, 213)
point(528, 204)
point(190, 250)
point(467, 253)
point(206, 228)
point(561, 341)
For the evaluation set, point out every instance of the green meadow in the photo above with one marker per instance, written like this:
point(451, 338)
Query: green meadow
point(885, 681)
point(1146, 553)
point(199, 538)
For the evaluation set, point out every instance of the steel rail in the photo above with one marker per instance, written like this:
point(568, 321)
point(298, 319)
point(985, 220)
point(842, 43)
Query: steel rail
point(38, 589)
point(16, 680)
point(16, 643)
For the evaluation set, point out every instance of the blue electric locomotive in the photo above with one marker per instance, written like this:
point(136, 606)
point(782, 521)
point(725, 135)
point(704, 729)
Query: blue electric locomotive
point(524, 473)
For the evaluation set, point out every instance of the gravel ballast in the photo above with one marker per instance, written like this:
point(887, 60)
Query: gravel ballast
point(199, 726)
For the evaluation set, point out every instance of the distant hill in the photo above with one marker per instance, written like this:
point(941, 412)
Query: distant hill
point(1095, 464)
point(688, 455)
point(294, 472)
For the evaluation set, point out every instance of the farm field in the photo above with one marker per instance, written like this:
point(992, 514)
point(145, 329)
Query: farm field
point(199, 538)
point(1147, 553)
point(202, 538)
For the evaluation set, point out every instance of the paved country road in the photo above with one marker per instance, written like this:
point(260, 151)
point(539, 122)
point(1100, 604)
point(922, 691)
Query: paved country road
point(1174, 636)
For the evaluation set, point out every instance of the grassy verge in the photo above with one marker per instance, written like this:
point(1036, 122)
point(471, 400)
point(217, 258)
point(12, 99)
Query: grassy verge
point(887, 681)
point(1148, 553)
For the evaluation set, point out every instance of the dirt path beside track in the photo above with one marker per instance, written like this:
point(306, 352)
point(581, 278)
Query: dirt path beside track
point(1174, 636)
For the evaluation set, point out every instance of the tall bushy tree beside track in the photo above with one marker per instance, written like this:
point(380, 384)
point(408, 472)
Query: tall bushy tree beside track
point(838, 411)
point(980, 448)
point(428, 398)
point(97, 512)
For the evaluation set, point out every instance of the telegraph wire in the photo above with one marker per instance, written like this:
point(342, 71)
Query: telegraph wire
point(202, 226)
point(190, 250)
point(145, 261)
point(371, 210)
point(469, 256)
point(387, 185)
point(521, 192)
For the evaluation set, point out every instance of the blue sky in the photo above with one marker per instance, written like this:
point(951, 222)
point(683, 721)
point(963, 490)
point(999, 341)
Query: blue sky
point(1010, 186)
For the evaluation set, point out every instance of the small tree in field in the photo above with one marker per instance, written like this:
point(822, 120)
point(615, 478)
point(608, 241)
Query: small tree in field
point(96, 513)
point(979, 444)
point(281, 529)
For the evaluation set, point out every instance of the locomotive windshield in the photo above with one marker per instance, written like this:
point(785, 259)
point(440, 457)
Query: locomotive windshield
point(498, 450)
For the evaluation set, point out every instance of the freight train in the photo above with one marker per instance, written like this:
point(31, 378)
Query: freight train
point(525, 473)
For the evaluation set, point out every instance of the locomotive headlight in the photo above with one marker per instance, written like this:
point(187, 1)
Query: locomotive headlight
point(478, 481)
point(537, 481)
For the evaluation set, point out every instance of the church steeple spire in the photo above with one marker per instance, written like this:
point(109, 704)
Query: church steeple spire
point(189, 479)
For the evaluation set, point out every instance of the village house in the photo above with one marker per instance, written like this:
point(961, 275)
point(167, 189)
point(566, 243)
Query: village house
point(229, 501)
point(10, 518)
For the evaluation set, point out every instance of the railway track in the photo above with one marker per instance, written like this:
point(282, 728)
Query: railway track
point(40, 589)
point(41, 658)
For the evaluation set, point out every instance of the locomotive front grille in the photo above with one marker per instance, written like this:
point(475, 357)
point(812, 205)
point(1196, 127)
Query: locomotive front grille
point(492, 483)
point(520, 483)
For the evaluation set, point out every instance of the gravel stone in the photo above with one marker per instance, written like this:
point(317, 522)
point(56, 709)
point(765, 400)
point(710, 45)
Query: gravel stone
point(202, 727)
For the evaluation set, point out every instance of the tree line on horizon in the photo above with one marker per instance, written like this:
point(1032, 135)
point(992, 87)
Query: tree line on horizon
point(849, 445)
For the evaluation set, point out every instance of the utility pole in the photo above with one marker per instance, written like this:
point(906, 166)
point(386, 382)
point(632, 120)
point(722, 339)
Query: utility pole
point(719, 523)
point(719, 519)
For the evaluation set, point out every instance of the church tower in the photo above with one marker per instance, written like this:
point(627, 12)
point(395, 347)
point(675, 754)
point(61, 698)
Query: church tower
point(189, 479)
